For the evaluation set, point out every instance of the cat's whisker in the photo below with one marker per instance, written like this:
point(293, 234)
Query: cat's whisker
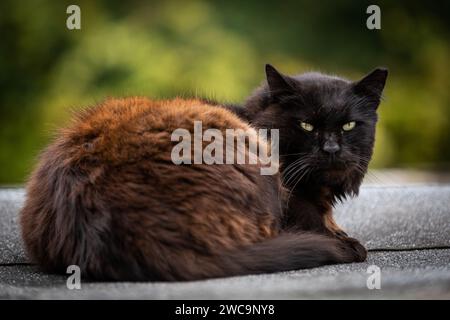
point(299, 170)
point(287, 174)
point(293, 188)
point(292, 166)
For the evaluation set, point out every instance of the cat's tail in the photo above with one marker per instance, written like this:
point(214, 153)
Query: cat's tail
point(288, 251)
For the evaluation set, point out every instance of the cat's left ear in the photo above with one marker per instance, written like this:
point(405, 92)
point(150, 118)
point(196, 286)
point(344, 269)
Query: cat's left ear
point(278, 83)
point(372, 85)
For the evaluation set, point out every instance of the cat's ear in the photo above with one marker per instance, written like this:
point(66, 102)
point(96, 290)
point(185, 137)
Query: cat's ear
point(372, 85)
point(278, 83)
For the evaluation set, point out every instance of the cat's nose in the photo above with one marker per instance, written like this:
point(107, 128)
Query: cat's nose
point(331, 147)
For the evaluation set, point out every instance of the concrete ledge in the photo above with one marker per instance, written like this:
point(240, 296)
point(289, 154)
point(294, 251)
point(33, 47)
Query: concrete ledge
point(407, 275)
point(407, 227)
point(401, 217)
point(11, 246)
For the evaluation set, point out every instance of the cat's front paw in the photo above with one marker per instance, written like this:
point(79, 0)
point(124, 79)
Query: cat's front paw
point(358, 251)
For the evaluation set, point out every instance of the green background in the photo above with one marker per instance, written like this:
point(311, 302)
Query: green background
point(218, 49)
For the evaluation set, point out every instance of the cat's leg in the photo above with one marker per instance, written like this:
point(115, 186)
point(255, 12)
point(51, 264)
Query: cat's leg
point(304, 216)
point(331, 227)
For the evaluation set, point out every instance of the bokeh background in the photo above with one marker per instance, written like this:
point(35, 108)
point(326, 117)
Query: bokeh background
point(218, 49)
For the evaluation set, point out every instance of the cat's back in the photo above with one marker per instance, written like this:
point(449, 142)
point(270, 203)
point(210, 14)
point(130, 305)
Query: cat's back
point(122, 127)
point(107, 196)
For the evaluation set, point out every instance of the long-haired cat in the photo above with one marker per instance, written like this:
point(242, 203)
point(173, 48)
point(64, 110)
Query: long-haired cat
point(327, 134)
point(107, 197)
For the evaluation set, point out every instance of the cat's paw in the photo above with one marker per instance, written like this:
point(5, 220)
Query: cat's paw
point(355, 250)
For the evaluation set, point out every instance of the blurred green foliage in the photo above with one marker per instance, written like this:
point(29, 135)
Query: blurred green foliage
point(218, 49)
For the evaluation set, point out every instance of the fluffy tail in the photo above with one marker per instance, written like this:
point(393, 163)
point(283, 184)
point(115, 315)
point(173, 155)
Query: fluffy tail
point(289, 251)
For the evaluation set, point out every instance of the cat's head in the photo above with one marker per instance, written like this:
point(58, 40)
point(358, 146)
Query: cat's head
point(326, 123)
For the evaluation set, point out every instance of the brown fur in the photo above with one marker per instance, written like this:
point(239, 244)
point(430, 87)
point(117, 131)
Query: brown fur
point(330, 224)
point(107, 197)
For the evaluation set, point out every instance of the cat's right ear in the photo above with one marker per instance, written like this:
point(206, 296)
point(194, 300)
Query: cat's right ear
point(278, 83)
point(373, 83)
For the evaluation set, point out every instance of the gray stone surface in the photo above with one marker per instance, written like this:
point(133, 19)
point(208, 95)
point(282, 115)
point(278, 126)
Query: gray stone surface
point(398, 217)
point(421, 274)
point(11, 246)
point(409, 224)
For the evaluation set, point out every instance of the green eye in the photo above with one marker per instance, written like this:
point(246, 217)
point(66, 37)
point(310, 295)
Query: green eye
point(349, 126)
point(307, 126)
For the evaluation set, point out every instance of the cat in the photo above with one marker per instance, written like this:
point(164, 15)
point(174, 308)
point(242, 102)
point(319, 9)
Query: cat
point(327, 133)
point(106, 196)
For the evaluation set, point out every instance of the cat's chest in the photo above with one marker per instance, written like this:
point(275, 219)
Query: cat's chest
point(304, 213)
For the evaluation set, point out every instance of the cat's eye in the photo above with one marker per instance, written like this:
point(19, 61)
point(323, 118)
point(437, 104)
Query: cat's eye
point(349, 126)
point(306, 126)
